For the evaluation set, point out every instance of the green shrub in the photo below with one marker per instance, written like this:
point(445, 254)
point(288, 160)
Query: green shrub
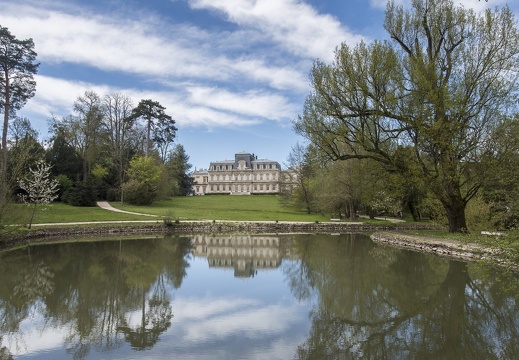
point(81, 194)
point(137, 193)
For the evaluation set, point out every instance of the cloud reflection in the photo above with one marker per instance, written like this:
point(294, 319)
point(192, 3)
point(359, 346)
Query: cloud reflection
point(214, 319)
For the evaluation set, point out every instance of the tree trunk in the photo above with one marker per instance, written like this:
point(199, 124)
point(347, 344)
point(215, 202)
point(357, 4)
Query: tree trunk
point(32, 215)
point(7, 104)
point(148, 140)
point(351, 209)
point(456, 216)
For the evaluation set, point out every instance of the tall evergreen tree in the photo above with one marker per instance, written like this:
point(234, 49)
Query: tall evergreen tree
point(17, 85)
point(160, 127)
point(178, 167)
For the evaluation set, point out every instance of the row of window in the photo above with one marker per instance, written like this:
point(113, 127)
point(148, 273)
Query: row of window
point(242, 177)
point(255, 167)
point(230, 262)
point(238, 188)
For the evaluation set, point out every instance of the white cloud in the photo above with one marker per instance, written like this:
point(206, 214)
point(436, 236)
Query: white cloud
point(250, 103)
point(197, 106)
point(292, 23)
point(144, 46)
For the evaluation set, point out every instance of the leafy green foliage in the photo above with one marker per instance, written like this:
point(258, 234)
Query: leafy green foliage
point(427, 104)
point(144, 175)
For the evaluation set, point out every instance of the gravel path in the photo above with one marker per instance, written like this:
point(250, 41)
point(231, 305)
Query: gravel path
point(105, 205)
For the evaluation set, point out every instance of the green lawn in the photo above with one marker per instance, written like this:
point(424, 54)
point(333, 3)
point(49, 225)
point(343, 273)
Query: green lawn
point(217, 207)
point(225, 207)
point(58, 212)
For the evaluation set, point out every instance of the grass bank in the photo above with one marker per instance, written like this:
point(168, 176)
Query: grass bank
point(225, 207)
point(61, 213)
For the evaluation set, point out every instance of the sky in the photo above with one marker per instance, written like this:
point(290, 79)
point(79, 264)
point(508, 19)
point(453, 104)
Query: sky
point(234, 74)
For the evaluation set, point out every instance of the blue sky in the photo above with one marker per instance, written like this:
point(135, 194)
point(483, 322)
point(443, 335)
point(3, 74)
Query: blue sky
point(232, 73)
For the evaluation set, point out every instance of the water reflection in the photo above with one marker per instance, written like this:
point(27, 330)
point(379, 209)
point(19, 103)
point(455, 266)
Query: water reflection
point(377, 302)
point(103, 293)
point(244, 253)
point(249, 296)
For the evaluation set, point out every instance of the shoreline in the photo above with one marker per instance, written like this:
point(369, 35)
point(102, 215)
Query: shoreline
point(41, 233)
point(391, 235)
point(445, 247)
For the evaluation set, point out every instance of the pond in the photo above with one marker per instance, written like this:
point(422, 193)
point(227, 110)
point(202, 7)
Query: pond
point(251, 297)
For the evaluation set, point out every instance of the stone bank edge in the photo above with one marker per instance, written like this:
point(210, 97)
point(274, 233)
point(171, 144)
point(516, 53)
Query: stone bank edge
point(198, 227)
point(447, 248)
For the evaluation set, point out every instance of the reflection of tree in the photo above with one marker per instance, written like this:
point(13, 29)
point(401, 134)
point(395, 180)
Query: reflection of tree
point(400, 305)
point(21, 295)
point(35, 282)
point(5, 354)
point(90, 288)
point(154, 321)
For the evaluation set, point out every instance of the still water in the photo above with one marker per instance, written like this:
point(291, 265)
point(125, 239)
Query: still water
point(251, 297)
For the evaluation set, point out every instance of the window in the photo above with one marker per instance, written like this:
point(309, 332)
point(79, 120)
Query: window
point(268, 187)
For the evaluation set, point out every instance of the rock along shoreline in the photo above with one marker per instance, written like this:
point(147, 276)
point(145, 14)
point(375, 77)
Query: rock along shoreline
point(447, 248)
point(384, 234)
point(194, 227)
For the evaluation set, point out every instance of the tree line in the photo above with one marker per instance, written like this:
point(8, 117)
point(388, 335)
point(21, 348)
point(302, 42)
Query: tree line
point(106, 148)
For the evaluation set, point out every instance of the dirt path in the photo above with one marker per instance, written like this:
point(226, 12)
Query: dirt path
point(105, 205)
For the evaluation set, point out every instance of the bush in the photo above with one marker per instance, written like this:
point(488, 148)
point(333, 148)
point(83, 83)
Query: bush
point(478, 214)
point(64, 184)
point(168, 218)
point(113, 194)
point(137, 193)
point(81, 194)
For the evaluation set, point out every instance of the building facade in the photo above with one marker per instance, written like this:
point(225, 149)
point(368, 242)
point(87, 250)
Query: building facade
point(245, 175)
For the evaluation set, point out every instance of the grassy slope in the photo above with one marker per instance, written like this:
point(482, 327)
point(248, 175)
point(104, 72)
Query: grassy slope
point(225, 207)
point(245, 208)
point(59, 212)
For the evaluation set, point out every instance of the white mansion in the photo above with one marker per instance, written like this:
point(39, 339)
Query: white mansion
point(244, 175)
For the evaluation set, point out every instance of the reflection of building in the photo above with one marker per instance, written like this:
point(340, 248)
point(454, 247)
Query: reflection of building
point(244, 175)
point(245, 253)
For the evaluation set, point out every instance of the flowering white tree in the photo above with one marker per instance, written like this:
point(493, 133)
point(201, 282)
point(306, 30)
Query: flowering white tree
point(39, 187)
